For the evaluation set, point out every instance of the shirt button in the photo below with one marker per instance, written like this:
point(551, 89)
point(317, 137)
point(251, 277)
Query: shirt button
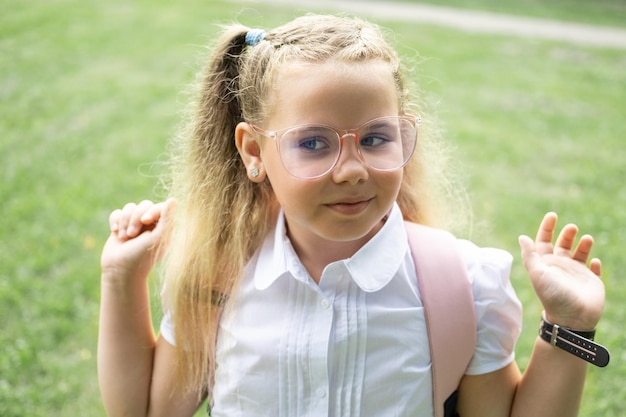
point(325, 304)
point(321, 392)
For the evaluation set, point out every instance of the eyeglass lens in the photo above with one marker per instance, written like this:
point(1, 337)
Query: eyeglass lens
point(384, 144)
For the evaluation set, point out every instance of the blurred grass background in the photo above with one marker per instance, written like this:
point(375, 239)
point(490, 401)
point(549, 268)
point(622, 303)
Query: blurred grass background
point(90, 92)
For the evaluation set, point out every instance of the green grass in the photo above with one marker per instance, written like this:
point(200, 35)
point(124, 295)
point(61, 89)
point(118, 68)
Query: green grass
point(596, 12)
point(90, 93)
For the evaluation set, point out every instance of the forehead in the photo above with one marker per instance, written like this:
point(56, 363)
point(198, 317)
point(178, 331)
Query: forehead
point(336, 93)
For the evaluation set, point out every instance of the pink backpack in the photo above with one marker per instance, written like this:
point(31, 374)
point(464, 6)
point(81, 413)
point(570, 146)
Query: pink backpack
point(449, 309)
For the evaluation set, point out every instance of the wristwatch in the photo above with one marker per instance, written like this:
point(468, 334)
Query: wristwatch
point(578, 343)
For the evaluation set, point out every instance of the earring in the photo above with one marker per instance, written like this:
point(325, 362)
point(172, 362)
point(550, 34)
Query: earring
point(254, 172)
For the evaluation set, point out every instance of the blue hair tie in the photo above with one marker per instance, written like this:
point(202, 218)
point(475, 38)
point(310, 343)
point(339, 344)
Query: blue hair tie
point(254, 36)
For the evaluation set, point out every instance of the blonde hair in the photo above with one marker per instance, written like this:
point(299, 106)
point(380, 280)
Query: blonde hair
point(222, 217)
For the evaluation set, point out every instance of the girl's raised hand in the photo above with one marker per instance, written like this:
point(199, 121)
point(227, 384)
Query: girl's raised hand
point(571, 292)
point(136, 241)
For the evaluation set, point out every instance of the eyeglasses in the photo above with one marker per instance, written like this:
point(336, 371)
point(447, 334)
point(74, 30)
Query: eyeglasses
point(311, 151)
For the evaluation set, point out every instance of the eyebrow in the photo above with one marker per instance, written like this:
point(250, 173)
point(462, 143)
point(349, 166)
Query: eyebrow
point(379, 125)
point(306, 129)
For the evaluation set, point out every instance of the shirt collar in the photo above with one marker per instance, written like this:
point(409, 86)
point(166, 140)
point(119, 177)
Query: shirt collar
point(378, 261)
point(272, 262)
point(372, 267)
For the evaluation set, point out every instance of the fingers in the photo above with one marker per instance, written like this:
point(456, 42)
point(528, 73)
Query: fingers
point(596, 266)
point(565, 242)
point(545, 233)
point(135, 223)
point(152, 214)
point(160, 215)
point(133, 219)
point(114, 223)
point(526, 244)
point(581, 253)
point(530, 257)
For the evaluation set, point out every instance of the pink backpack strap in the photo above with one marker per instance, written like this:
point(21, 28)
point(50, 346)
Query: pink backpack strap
point(448, 307)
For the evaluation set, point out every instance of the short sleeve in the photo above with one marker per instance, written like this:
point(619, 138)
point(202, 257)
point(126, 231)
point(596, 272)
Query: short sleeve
point(167, 328)
point(167, 324)
point(498, 309)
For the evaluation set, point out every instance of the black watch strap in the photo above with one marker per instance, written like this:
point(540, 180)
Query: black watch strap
point(577, 343)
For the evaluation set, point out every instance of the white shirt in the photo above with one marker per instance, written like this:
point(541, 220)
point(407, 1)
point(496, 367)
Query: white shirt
point(354, 345)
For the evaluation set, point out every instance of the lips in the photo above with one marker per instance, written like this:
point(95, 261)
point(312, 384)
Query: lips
point(351, 206)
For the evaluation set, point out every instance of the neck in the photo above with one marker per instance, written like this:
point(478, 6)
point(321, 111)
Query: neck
point(316, 253)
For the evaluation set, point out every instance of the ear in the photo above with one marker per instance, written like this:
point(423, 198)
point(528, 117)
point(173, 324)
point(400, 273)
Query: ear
point(249, 147)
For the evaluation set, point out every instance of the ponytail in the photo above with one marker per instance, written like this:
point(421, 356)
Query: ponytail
point(222, 216)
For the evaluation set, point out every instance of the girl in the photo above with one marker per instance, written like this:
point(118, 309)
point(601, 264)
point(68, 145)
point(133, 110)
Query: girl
point(290, 289)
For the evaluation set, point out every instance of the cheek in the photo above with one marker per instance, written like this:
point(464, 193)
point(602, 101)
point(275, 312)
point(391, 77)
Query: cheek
point(390, 182)
point(285, 187)
point(269, 155)
point(291, 192)
point(297, 197)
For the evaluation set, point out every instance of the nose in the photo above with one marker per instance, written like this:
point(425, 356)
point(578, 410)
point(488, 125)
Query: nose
point(350, 166)
point(353, 145)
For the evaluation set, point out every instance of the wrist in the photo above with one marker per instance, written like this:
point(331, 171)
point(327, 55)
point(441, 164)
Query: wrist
point(122, 279)
point(576, 342)
point(579, 323)
point(589, 334)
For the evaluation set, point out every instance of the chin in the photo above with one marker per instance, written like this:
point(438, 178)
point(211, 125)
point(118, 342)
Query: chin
point(350, 233)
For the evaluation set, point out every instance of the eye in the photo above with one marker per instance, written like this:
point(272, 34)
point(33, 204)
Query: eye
point(373, 140)
point(314, 143)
